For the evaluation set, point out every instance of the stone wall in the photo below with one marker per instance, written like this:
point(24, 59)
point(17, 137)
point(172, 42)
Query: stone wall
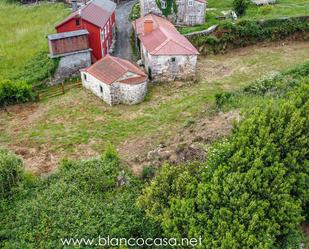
point(116, 93)
point(169, 68)
point(186, 15)
point(70, 64)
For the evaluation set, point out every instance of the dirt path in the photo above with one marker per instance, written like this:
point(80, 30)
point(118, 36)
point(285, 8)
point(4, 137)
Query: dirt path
point(124, 28)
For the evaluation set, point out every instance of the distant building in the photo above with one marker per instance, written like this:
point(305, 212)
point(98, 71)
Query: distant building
point(263, 2)
point(72, 49)
point(116, 81)
point(186, 12)
point(166, 54)
point(98, 18)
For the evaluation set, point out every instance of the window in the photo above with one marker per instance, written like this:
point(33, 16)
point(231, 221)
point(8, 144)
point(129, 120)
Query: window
point(85, 76)
point(101, 89)
point(190, 3)
point(77, 21)
point(173, 59)
point(163, 4)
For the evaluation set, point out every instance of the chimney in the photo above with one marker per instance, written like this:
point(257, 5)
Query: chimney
point(148, 26)
point(74, 5)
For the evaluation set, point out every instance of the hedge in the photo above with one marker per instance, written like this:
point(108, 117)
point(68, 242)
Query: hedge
point(14, 92)
point(244, 33)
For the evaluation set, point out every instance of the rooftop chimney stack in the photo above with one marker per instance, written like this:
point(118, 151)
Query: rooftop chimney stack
point(74, 5)
point(148, 26)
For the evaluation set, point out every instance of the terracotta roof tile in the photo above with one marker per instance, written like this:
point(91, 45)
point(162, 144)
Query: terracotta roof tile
point(110, 69)
point(93, 12)
point(164, 39)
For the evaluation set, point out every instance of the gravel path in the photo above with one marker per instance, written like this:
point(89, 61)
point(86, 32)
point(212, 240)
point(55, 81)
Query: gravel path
point(124, 28)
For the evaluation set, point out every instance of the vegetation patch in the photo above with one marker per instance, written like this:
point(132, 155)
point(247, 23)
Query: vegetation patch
point(81, 200)
point(229, 35)
point(251, 192)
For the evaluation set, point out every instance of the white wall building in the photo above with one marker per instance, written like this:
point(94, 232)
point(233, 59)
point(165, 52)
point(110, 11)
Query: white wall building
point(116, 81)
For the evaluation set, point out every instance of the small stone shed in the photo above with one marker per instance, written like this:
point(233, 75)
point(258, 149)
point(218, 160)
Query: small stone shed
point(116, 81)
point(263, 2)
point(72, 49)
point(166, 54)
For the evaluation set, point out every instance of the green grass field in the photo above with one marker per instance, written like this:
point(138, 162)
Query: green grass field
point(282, 9)
point(23, 33)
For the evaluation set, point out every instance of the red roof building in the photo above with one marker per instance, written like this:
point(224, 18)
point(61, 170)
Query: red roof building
point(115, 81)
point(98, 18)
point(165, 53)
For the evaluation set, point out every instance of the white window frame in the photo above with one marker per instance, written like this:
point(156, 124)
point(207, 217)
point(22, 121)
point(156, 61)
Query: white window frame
point(190, 3)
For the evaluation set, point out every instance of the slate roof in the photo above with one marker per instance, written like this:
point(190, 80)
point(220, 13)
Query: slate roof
point(110, 69)
point(67, 34)
point(164, 39)
point(96, 12)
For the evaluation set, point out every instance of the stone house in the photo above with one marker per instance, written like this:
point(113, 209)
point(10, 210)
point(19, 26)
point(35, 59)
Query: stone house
point(166, 54)
point(116, 81)
point(186, 12)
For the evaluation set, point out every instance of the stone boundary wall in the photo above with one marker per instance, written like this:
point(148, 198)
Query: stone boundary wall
point(213, 28)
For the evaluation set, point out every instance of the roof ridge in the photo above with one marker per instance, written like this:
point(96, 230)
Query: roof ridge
point(116, 59)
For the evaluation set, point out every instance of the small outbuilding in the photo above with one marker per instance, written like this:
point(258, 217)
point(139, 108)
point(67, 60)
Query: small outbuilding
point(116, 81)
point(166, 54)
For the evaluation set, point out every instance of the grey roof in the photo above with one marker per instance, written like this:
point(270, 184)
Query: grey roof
point(107, 5)
point(68, 34)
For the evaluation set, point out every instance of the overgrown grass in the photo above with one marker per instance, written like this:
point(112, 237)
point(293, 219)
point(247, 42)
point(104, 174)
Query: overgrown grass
point(283, 8)
point(23, 33)
point(63, 125)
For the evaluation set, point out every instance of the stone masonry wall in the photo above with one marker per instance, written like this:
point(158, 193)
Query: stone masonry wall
point(186, 15)
point(162, 68)
point(69, 65)
point(116, 93)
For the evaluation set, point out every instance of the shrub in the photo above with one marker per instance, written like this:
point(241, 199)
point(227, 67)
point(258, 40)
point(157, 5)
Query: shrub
point(81, 200)
point(10, 172)
point(246, 32)
point(251, 192)
point(38, 68)
point(240, 6)
point(13, 92)
point(148, 173)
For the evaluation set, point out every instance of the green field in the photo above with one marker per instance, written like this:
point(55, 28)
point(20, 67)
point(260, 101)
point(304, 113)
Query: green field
point(283, 8)
point(23, 33)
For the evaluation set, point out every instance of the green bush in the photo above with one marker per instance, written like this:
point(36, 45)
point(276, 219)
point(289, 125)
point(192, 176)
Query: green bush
point(246, 32)
point(253, 190)
point(82, 199)
point(40, 67)
point(11, 170)
point(240, 6)
point(13, 92)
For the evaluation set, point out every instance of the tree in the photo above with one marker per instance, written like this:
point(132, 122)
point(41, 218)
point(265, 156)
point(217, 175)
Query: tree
point(240, 6)
point(251, 192)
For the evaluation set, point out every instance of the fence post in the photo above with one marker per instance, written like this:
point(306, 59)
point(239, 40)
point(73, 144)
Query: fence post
point(62, 86)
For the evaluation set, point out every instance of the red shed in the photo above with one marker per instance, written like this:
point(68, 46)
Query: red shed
point(98, 17)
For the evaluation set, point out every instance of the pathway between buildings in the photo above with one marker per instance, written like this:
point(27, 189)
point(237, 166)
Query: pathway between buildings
point(124, 28)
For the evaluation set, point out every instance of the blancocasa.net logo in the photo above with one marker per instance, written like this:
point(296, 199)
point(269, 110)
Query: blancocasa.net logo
point(132, 242)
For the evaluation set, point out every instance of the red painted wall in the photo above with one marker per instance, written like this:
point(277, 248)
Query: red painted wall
point(94, 35)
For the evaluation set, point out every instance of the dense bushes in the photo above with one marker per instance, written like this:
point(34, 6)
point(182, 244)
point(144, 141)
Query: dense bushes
point(37, 69)
point(10, 172)
point(82, 199)
point(12, 92)
point(243, 33)
point(253, 190)
point(275, 85)
point(240, 6)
